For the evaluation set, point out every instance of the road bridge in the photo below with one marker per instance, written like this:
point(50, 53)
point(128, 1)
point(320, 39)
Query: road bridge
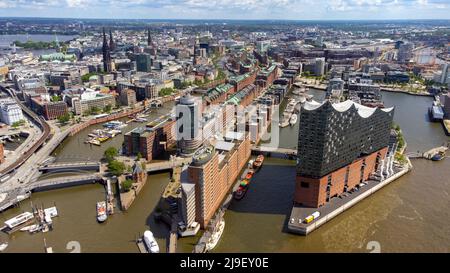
point(71, 166)
point(269, 151)
point(167, 165)
point(63, 182)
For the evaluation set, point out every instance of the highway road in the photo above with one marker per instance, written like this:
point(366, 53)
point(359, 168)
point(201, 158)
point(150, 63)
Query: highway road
point(40, 121)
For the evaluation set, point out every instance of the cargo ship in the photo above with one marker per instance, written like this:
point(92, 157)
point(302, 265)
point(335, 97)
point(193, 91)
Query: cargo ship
point(258, 162)
point(101, 212)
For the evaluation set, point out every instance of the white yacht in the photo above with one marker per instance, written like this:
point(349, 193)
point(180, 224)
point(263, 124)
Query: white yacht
point(101, 212)
point(150, 242)
point(215, 237)
point(19, 219)
point(293, 119)
point(3, 246)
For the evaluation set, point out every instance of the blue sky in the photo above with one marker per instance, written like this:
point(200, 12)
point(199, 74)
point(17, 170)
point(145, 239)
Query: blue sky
point(229, 9)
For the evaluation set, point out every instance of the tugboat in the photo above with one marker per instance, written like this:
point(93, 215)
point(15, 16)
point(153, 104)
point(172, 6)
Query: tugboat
point(258, 162)
point(101, 212)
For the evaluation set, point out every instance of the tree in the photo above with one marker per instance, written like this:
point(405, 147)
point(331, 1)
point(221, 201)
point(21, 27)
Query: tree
point(55, 98)
point(63, 119)
point(165, 91)
point(107, 108)
point(110, 153)
point(17, 124)
point(95, 110)
point(117, 168)
point(127, 184)
point(139, 156)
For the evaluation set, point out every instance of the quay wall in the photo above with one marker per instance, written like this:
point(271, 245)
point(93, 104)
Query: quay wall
point(322, 220)
point(111, 117)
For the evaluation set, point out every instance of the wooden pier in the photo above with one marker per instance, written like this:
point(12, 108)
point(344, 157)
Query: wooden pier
point(141, 245)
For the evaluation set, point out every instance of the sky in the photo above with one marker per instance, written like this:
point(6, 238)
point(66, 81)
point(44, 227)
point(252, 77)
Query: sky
point(229, 9)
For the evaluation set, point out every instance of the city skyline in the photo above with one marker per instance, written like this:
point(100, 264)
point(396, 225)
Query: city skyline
point(230, 9)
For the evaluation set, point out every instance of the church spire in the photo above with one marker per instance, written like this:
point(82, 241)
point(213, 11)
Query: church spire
point(106, 54)
point(112, 45)
point(149, 37)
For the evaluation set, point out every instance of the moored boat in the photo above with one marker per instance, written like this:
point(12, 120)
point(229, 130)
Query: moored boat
point(28, 228)
point(101, 211)
point(215, 236)
point(438, 156)
point(19, 220)
point(258, 162)
point(150, 242)
point(240, 192)
point(3, 246)
point(293, 120)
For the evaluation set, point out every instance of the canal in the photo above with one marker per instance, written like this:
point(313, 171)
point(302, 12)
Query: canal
point(408, 215)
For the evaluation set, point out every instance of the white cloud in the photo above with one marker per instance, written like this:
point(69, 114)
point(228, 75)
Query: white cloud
point(77, 3)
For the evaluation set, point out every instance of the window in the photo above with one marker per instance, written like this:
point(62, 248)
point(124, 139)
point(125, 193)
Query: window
point(304, 184)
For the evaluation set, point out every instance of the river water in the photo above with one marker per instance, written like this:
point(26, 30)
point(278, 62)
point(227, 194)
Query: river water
point(409, 215)
point(7, 39)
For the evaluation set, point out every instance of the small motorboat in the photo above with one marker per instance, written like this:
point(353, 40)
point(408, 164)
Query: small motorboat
point(3, 246)
point(28, 228)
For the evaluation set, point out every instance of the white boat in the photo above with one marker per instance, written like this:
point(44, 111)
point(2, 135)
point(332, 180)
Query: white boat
point(293, 119)
point(19, 219)
point(34, 229)
point(141, 119)
point(150, 242)
point(215, 237)
point(101, 211)
point(52, 212)
point(28, 228)
point(3, 246)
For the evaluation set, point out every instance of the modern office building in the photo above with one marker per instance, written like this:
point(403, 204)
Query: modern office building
point(84, 100)
point(368, 94)
point(187, 201)
point(143, 62)
point(10, 111)
point(189, 124)
point(152, 140)
point(339, 146)
point(405, 52)
point(127, 97)
point(319, 68)
point(48, 109)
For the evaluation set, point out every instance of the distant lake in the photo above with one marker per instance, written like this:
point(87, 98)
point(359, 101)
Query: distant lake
point(8, 39)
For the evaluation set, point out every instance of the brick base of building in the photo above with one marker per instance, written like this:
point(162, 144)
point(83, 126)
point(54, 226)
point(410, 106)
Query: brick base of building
point(314, 192)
